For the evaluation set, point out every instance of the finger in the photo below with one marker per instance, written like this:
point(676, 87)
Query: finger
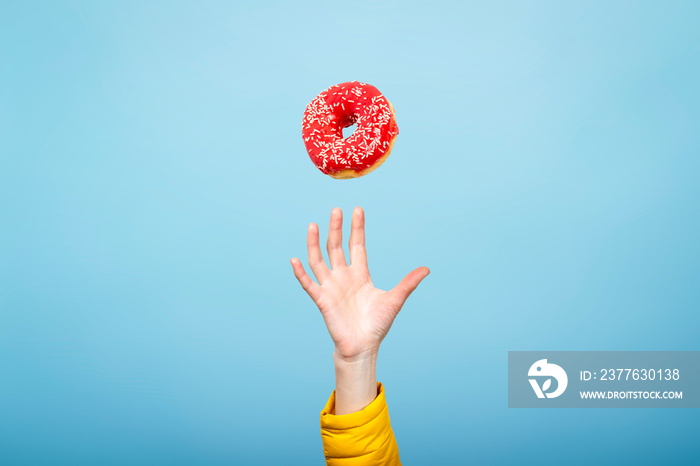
point(358, 253)
point(336, 256)
point(306, 282)
point(316, 262)
point(409, 283)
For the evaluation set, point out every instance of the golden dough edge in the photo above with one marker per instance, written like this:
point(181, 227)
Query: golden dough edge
point(349, 173)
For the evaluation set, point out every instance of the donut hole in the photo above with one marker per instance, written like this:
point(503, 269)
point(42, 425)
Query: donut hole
point(349, 131)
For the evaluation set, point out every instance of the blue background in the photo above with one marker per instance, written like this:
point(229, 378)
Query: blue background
point(154, 186)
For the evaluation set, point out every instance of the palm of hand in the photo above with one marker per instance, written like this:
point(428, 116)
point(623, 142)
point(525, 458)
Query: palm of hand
point(358, 315)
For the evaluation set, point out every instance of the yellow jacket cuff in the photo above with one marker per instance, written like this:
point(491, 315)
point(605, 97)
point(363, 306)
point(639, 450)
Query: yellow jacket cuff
point(361, 438)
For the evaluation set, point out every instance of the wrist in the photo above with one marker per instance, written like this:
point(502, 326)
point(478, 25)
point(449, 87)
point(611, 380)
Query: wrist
point(355, 381)
point(361, 358)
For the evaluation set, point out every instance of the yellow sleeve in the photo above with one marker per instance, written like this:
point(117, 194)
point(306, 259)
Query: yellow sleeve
point(361, 438)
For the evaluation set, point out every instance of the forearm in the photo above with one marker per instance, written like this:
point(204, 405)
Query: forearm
point(355, 382)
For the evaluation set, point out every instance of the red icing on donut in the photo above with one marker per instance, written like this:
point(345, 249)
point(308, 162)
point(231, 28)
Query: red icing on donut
point(341, 106)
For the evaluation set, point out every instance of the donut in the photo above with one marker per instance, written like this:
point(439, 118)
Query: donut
point(341, 106)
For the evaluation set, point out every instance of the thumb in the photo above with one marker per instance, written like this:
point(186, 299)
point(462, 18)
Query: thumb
point(409, 283)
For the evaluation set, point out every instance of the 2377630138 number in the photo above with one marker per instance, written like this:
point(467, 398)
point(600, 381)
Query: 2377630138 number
point(639, 374)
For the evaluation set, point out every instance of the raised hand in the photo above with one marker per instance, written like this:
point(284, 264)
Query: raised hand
point(358, 315)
